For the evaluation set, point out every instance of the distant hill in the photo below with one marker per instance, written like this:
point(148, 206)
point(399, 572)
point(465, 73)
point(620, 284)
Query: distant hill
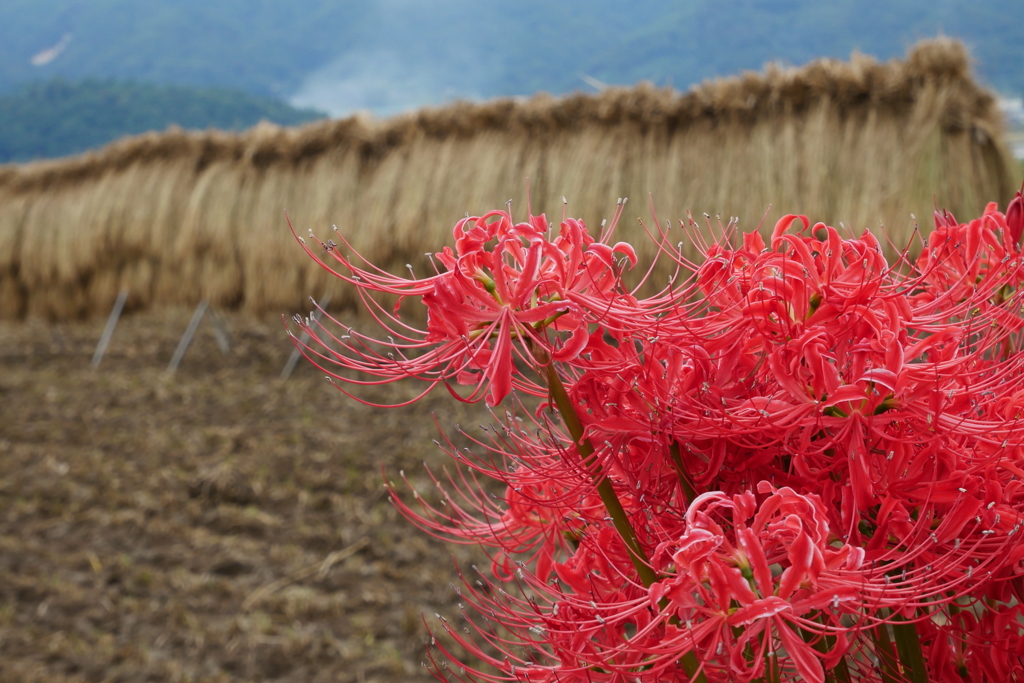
point(58, 118)
point(387, 55)
point(263, 47)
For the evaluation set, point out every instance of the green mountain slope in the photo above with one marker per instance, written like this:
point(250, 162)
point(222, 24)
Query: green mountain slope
point(59, 118)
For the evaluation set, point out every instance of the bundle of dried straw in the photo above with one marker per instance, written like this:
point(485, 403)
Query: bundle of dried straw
point(180, 216)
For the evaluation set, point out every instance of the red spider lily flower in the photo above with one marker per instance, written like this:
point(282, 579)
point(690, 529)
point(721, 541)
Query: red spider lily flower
point(976, 643)
point(504, 283)
point(854, 426)
point(725, 590)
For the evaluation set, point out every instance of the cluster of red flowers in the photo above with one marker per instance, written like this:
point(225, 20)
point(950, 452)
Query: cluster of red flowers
point(797, 461)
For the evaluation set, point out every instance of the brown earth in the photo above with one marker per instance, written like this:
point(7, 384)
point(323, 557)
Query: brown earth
point(219, 524)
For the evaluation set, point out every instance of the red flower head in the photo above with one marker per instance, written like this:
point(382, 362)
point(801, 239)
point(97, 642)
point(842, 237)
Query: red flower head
point(855, 428)
point(724, 589)
point(504, 287)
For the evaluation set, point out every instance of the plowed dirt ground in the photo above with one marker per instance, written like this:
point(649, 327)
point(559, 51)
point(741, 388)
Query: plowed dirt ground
point(219, 524)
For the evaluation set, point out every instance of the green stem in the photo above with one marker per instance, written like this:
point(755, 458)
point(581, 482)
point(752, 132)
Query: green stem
point(689, 661)
point(684, 480)
point(909, 646)
point(887, 663)
point(604, 485)
point(841, 672)
point(772, 673)
point(691, 666)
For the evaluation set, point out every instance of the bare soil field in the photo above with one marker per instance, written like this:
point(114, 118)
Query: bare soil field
point(219, 524)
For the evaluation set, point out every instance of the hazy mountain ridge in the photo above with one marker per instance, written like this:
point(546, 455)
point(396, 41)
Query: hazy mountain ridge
point(387, 56)
point(57, 118)
point(447, 48)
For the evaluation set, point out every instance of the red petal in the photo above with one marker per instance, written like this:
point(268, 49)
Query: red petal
point(573, 346)
point(806, 661)
point(762, 609)
point(1015, 219)
point(783, 225)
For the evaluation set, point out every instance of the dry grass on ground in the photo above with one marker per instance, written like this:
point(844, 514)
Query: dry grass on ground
point(184, 528)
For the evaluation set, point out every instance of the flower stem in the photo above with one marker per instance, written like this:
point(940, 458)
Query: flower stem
point(684, 480)
point(772, 673)
point(648, 576)
point(887, 663)
point(604, 485)
point(840, 673)
point(909, 646)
